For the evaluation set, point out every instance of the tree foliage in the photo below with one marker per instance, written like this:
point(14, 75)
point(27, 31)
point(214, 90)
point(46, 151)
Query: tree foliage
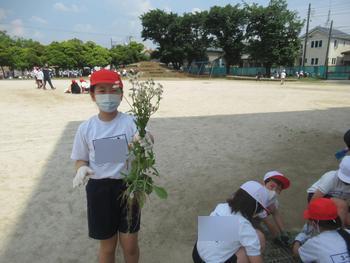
point(273, 34)
point(19, 53)
point(268, 34)
point(127, 54)
point(227, 24)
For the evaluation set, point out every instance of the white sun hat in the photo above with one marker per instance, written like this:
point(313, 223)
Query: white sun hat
point(279, 177)
point(344, 170)
point(257, 191)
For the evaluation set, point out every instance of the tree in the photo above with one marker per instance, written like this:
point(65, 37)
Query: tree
point(74, 49)
point(95, 55)
point(55, 55)
point(195, 36)
point(5, 55)
point(165, 30)
point(226, 24)
point(272, 34)
point(28, 53)
point(127, 54)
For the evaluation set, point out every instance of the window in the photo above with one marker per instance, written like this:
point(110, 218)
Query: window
point(312, 61)
point(316, 43)
point(312, 44)
point(320, 43)
point(334, 60)
point(316, 61)
point(335, 43)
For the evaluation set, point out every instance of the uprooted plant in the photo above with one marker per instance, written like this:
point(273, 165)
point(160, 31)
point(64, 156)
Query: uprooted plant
point(145, 97)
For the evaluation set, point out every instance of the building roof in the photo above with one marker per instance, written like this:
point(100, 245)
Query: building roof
point(335, 32)
point(347, 52)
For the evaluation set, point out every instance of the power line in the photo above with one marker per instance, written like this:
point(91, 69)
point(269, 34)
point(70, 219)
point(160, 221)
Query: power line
point(331, 6)
point(64, 30)
point(332, 14)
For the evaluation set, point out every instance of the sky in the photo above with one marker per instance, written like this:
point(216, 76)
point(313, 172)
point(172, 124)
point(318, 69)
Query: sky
point(109, 22)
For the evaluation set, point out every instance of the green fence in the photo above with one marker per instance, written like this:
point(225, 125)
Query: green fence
point(213, 70)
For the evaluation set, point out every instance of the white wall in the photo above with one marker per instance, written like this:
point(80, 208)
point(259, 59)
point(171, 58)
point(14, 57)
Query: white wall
point(318, 53)
point(335, 51)
point(334, 55)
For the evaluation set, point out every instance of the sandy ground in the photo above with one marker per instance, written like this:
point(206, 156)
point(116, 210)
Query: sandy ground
point(211, 136)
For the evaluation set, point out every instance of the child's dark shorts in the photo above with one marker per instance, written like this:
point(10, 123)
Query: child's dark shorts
point(107, 209)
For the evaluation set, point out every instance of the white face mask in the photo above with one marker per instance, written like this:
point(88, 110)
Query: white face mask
point(108, 102)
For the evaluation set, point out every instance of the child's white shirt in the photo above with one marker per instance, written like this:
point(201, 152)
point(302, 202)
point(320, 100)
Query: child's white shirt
point(40, 75)
point(327, 247)
point(220, 251)
point(122, 125)
point(330, 184)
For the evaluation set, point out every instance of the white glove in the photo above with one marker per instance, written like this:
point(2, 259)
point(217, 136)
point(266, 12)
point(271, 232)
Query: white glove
point(83, 174)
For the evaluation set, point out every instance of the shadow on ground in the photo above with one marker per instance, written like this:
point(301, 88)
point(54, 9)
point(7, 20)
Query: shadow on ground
point(202, 161)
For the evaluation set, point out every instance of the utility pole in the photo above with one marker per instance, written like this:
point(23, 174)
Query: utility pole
point(329, 42)
point(306, 35)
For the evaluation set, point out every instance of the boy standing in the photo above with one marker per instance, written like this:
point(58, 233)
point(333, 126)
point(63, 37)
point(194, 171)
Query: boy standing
point(107, 209)
point(275, 182)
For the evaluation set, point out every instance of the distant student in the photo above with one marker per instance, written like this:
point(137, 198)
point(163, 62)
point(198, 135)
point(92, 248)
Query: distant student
point(47, 77)
point(275, 182)
point(249, 200)
point(73, 88)
point(84, 86)
point(336, 186)
point(40, 78)
point(283, 76)
point(330, 243)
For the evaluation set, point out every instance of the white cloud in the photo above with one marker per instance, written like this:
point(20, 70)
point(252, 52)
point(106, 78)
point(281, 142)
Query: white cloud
point(17, 28)
point(3, 13)
point(65, 8)
point(196, 10)
point(133, 8)
point(38, 20)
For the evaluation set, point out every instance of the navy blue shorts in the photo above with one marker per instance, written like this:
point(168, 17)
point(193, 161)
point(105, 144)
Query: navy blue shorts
point(197, 259)
point(107, 209)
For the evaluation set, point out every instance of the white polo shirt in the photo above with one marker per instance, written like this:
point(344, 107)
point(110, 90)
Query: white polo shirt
point(94, 128)
point(327, 247)
point(330, 184)
point(220, 251)
point(40, 75)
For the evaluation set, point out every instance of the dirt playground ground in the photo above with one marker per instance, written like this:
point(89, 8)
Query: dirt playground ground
point(211, 136)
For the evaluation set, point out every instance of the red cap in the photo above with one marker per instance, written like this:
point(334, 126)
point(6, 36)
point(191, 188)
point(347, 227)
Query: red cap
point(321, 209)
point(279, 177)
point(105, 76)
point(82, 80)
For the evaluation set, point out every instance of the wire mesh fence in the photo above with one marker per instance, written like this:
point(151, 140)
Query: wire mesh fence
point(213, 69)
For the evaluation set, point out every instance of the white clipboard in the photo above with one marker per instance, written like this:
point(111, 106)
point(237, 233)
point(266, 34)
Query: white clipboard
point(111, 150)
